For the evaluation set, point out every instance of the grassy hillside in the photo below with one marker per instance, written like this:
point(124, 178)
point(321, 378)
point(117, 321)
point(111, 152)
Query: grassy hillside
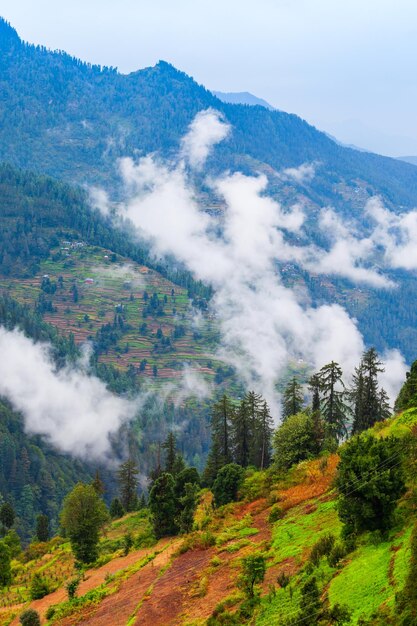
point(191, 579)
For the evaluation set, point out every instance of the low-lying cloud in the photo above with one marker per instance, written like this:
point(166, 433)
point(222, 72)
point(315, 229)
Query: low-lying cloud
point(73, 411)
point(263, 324)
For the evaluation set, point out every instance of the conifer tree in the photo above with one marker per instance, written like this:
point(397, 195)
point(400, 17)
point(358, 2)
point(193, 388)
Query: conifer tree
point(174, 463)
point(221, 445)
point(293, 398)
point(128, 481)
point(242, 434)
point(369, 403)
point(42, 528)
point(265, 430)
point(98, 484)
point(254, 404)
point(334, 410)
point(314, 386)
point(7, 516)
point(163, 506)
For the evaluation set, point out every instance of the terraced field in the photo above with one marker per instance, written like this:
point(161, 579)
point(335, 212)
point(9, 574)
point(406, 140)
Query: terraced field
point(82, 288)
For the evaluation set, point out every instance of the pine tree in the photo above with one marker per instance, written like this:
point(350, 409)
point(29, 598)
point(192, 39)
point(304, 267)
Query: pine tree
point(174, 463)
point(42, 528)
point(254, 404)
point(242, 435)
point(116, 509)
point(369, 405)
point(266, 430)
point(293, 398)
point(128, 481)
point(222, 414)
point(163, 506)
point(314, 386)
point(384, 407)
point(98, 484)
point(333, 409)
point(5, 567)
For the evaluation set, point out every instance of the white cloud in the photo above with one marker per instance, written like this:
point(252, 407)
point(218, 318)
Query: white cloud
point(72, 410)
point(206, 130)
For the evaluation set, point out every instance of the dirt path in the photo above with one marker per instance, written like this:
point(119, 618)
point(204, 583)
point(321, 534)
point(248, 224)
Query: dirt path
point(117, 608)
point(93, 578)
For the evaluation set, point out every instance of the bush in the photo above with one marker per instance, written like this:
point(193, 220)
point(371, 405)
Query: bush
point(50, 612)
point(275, 514)
point(338, 552)
point(322, 547)
point(227, 483)
point(71, 587)
point(283, 580)
point(30, 617)
point(39, 587)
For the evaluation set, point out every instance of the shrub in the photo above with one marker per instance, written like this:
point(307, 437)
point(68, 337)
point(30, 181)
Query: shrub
point(275, 514)
point(50, 612)
point(283, 579)
point(71, 587)
point(322, 547)
point(30, 617)
point(294, 441)
point(39, 587)
point(254, 568)
point(338, 552)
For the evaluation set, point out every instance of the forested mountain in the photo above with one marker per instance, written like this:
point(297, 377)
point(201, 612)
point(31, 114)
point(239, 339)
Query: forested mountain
point(73, 120)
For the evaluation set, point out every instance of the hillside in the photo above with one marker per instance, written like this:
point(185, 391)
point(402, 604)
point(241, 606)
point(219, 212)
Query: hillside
point(189, 580)
point(73, 120)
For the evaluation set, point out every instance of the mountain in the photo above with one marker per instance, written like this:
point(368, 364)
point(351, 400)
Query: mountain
point(242, 97)
point(409, 159)
point(73, 120)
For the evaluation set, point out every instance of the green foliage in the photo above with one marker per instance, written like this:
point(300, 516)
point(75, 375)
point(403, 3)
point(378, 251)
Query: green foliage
point(72, 587)
point(30, 617)
point(163, 506)
point(407, 398)
point(187, 506)
point(333, 407)
point(370, 481)
point(407, 599)
point(323, 547)
point(116, 509)
point(7, 515)
point(39, 587)
point(12, 540)
point(292, 398)
point(227, 484)
point(127, 543)
point(128, 481)
point(42, 527)
point(253, 572)
point(294, 441)
point(5, 567)
point(82, 517)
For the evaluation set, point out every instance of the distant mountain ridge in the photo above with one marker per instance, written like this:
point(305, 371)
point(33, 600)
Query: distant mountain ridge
point(242, 97)
point(73, 120)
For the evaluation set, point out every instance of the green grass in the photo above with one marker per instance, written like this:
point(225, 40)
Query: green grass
point(297, 532)
point(363, 585)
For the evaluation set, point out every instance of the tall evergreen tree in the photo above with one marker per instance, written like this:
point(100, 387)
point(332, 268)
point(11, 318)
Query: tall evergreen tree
point(254, 405)
point(242, 435)
point(128, 482)
point(265, 435)
point(333, 409)
point(368, 404)
point(174, 463)
point(314, 386)
point(292, 399)
point(163, 505)
point(222, 414)
point(42, 528)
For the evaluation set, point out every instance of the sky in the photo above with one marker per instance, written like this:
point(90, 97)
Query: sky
point(346, 67)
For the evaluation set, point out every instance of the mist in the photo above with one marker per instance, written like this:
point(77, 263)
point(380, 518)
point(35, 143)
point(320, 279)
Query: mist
point(73, 411)
point(263, 324)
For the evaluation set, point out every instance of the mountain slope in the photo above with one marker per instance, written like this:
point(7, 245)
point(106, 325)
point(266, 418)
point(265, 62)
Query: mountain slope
point(73, 120)
point(242, 97)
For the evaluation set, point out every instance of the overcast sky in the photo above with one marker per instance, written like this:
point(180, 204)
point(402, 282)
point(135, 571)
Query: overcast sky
point(348, 67)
